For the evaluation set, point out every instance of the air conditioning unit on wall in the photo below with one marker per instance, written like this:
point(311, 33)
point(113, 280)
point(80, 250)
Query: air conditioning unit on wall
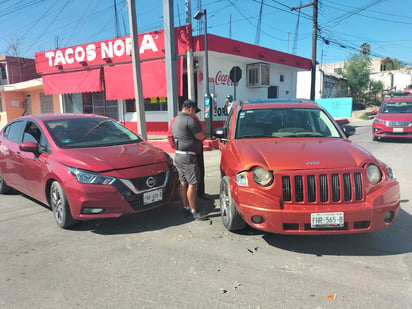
point(258, 75)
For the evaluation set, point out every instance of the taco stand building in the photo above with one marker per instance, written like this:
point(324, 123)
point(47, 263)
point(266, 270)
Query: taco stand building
point(97, 78)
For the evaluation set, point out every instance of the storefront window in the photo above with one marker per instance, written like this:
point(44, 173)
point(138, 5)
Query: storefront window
point(150, 104)
point(73, 103)
point(91, 103)
point(46, 104)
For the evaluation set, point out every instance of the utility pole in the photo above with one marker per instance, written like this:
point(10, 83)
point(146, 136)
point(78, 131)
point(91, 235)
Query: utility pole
point(170, 54)
point(314, 41)
point(190, 68)
point(137, 75)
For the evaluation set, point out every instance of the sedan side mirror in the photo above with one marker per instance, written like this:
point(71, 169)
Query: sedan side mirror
point(29, 147)
point(348, 130)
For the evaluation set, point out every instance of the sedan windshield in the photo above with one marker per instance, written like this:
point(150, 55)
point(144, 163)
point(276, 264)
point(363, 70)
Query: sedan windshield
point(89, 132)
point(285, 122)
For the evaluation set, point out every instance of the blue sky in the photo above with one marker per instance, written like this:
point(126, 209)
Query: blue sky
point(30, 26)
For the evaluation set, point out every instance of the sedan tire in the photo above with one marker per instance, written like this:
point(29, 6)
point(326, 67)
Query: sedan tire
point(60, 206)
point(230, 216)
point(4, 188)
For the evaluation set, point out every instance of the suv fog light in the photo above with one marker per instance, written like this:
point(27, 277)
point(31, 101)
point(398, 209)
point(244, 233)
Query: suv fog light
point(257, 219)
point(389, 216)
point(90, 210)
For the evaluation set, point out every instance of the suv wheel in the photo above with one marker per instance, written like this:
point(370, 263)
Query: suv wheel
point(230, 216)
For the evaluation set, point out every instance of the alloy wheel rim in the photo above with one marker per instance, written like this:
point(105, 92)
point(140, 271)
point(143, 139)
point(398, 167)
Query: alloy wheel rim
point(57, 202)
point(224, 200)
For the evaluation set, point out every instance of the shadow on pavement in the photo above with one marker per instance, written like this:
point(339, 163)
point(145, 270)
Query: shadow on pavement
point(156, 219)
point(166, 216)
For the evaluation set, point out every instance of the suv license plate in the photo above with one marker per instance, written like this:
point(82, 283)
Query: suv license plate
point(152, 196)
point(327, 219)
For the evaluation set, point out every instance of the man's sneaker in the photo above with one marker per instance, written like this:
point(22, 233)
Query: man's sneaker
point(187, 210)
point(199, 216)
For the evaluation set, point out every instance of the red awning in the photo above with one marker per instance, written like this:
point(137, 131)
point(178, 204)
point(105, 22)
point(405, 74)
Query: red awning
point(88, 80)
point(119, 80)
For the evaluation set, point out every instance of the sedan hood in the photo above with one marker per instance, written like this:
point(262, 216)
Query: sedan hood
point(102, 159)
point(299, 154)
point(395, 117)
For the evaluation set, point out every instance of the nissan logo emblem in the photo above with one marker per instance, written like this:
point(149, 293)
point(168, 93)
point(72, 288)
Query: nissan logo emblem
point(150, 182)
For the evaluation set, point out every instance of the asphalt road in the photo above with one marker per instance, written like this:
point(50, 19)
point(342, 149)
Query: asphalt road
point(161, 259)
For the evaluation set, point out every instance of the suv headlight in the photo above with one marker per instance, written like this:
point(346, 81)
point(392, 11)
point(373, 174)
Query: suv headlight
point(377, 120)
point(262, 177)
point(374, 174)
point(87, 177)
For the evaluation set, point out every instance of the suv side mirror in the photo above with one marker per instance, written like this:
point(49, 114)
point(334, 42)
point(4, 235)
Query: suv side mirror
point(220, 132)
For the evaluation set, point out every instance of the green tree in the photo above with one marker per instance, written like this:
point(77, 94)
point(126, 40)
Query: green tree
point(356, 71)
point(376, 90)
point(395, 64)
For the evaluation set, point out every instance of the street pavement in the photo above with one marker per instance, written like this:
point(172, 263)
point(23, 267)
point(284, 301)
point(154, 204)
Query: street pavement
point(163, 259)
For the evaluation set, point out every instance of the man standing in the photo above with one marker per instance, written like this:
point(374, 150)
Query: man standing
point(200, 160)
point(188, 139)
point(228, 103)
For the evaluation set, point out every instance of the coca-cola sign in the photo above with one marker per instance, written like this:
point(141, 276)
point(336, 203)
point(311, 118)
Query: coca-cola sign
point(223, 79)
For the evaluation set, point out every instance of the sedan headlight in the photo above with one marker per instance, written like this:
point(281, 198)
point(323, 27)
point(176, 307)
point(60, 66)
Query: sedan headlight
point(262, 177)
point(169, 160)
point(87, 177)
point(374, 174)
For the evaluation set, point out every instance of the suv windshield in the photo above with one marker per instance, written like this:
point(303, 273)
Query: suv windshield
point(284, 122)
point(89, 132)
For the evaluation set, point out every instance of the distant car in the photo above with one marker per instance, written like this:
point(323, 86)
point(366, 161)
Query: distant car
point(84, 166)
point(393, 119)
point(287, 167)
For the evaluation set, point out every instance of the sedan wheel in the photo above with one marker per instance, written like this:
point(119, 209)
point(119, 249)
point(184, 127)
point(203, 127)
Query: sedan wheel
point(230, 216)
point(4, 188)
point(60, 206)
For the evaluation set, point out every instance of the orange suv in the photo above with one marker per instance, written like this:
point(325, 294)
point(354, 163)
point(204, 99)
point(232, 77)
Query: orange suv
point(287, 167)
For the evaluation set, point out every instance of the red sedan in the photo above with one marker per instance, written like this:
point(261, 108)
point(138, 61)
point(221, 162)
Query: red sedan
point(287, 167)
point(394, 119)
point(84, 166)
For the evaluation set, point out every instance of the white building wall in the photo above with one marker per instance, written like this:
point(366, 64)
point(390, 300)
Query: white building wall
point(220, 85)
point(304, 81)
point(401, 80)
point(395, 80)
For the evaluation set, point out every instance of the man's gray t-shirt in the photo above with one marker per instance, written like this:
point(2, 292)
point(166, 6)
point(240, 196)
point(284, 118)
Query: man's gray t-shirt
point(184, 129)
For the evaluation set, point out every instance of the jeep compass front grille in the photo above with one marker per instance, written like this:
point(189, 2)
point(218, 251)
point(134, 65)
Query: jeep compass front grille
point(322, 188)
